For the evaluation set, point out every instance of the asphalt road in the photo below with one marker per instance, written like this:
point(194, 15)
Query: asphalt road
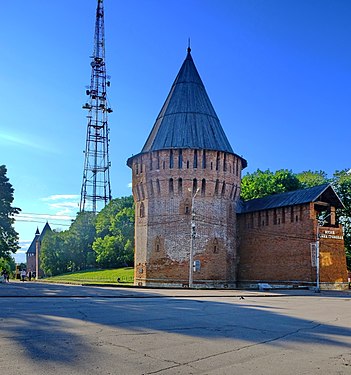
point(58, 329)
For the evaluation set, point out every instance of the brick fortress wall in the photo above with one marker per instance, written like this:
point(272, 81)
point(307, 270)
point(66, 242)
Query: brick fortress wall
point(161, 184)
point(275, 247)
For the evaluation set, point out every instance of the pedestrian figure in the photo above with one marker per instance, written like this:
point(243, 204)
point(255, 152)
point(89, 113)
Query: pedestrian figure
point(4, 274)
point(29, 276)
point(23, 275)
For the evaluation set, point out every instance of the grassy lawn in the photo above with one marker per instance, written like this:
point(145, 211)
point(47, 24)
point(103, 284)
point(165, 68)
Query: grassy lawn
point(97, 276)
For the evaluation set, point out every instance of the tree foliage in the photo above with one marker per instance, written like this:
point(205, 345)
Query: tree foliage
point(8, 235)
point(53, 254)
point(262, 183)
point(8, 264)
point(106, 240)
point(114, 246)
point(342, 185)
point(69, 250)
point(310, 179)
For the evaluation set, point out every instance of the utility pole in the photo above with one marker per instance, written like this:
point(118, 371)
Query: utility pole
point(321, 220)
point(96, 189)
point(318, 290)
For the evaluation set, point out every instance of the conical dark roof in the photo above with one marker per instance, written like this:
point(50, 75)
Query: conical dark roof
point(187, 118)
point(38, 237)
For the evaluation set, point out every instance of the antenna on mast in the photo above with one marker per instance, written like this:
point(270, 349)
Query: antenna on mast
point(96, 187)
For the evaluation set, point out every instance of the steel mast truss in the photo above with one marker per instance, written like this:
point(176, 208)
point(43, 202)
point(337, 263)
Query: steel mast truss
point(96, 187)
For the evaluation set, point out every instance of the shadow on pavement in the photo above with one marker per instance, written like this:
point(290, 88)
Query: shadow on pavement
point(59, 329)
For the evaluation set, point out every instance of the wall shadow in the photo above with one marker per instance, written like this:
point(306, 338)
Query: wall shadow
point(42, 320)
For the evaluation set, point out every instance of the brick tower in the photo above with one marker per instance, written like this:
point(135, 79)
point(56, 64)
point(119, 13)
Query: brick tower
point(186, 182)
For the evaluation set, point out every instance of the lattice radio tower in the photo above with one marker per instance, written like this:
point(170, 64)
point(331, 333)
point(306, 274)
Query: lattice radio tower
point(96, 188)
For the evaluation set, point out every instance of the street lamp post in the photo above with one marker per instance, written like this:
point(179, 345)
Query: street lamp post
point(192, 238)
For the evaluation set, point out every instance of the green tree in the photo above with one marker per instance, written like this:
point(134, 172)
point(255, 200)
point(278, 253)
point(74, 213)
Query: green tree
point(53, 253)
point(105, 217)
point(262, 183)
point(342, 185)
point(8, 235)
point(7, 264)
point(79, 240)
point(310, 178)
point(69, 250)
point(114, 246)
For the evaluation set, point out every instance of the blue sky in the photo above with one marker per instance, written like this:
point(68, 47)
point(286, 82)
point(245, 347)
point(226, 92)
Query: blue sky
point(277, 72)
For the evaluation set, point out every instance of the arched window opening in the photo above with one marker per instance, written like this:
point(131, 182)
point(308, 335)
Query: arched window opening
point(171, 159)
point(275, 216)
point(232, 192)
point(180, 185)
point(204, 159)
point(216, 187)
point(194, 185)
point(158, 187)
point(150, 161)
point(187, 164)
point(171, 186)
point(301, 213)
point(142, 190)
point(217, 161)
point(195, 158)
point(151, 185)
point(138, 192)
point(215, 246)
point(157, 244)
point(142, 210)
point(180, 159)
point(158, 159)
point(223, 189)
point(203, 187)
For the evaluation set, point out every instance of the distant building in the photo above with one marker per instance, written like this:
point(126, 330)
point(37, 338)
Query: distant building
point(33, 251)
point(191, 229)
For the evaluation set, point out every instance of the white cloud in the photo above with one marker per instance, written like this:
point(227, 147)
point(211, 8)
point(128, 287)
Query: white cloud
point(60, 196)
point(24, 246)
point(130, 185)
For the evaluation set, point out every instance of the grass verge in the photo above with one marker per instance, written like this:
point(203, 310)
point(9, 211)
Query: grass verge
point(109, 276)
